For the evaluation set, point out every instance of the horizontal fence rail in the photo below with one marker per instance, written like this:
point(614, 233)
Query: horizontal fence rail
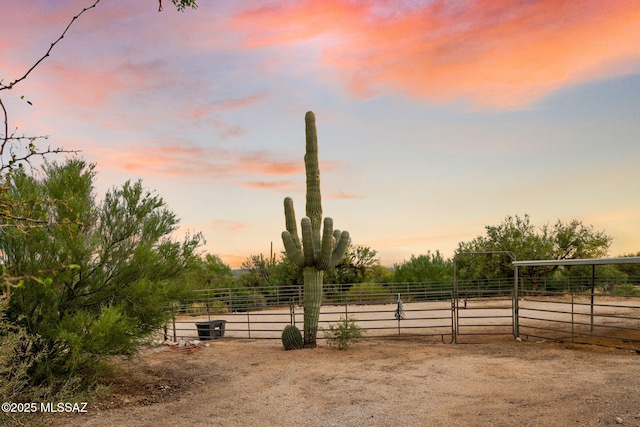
point(608, 320)
point(491, 313)
point(476, 310)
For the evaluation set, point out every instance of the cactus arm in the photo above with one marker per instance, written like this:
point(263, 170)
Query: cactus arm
point(340, 250)
point(323, 260)
point(290, 221)
point(293, 252)
point(307, 242)
point(336, 237)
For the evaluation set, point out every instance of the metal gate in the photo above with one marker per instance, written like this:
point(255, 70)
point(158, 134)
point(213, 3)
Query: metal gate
point(492, 312)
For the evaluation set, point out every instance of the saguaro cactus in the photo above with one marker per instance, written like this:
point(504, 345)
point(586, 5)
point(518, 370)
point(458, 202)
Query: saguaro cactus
point(313, 254)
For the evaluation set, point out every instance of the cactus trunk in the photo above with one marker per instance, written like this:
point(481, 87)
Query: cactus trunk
point(312, 300)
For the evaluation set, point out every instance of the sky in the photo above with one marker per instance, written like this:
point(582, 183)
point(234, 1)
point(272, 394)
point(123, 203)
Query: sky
point(435, 118)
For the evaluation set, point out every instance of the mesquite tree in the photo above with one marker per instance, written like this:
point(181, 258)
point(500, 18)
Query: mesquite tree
point(314, 254)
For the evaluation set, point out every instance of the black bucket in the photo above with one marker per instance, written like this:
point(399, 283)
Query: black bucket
point(211, 330)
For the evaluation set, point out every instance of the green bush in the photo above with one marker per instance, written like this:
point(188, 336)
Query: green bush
point(96, 278)
point(368, 293)
point(343, 334)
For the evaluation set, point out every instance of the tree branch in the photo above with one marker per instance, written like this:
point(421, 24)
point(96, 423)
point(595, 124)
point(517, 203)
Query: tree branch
point(18, 80)
point(13, 83)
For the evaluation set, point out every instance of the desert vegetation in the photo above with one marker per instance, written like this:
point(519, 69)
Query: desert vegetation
point(87, 278)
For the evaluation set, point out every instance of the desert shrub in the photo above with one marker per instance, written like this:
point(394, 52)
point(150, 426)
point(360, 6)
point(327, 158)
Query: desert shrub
point(94, 284)
point(343, 333)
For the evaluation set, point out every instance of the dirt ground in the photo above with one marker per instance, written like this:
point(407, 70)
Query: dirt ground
point(376, 382)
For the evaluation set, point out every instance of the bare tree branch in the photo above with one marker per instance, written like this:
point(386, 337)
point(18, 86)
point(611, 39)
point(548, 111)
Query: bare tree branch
point(18, 80)
point(13, 83)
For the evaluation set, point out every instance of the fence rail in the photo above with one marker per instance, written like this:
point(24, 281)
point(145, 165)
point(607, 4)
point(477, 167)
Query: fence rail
point(429, 311)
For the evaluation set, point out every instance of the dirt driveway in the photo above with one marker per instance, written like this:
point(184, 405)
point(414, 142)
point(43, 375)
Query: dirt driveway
point(377, 382)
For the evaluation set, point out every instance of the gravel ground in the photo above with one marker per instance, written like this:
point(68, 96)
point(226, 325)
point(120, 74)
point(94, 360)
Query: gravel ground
point(377, 382)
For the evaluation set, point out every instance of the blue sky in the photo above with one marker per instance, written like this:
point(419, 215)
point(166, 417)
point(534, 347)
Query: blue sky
point(435, 118)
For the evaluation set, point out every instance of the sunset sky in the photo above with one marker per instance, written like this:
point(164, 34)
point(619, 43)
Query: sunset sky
point(435, 117)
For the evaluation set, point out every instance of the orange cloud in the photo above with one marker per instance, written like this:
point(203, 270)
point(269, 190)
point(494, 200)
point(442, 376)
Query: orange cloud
point(97, 83)
point(495, 53)
point(195, 161)
point(261, 163)
point(277, 185)
point(199, 111)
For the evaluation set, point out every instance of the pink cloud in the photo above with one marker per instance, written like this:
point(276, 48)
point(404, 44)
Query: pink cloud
point(275, 185)
point(260, 162)
point(496, 53)
point(195, 161)
point(199, 111)
point(94, 84)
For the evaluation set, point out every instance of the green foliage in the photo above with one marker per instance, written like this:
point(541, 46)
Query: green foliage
point(109, 270)
point(368, 292)
point(561, 241)
point(344, 333)
point(257, 271)
point(209, 272)
point(19, 352)
point(181, 5)
point(430, 267)
point(626, 289)
point(292, 338)
point(631, 270)
point(358, 265)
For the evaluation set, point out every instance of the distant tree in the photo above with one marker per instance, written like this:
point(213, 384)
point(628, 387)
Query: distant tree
point(209, 272)
point(429, 267)
point(631, 270)
point(357, 266)
point(570, 240)
point(380, 274)
point(257, 271)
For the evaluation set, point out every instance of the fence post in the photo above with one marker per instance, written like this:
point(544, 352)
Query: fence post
point(593, 287)
point(454, 336)
point(249, 324)
point(572, 324)
point(516, 304)
point(173, 321)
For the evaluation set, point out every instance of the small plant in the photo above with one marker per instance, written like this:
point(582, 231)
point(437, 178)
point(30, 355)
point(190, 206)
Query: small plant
point(343, 334)
point(292, 338)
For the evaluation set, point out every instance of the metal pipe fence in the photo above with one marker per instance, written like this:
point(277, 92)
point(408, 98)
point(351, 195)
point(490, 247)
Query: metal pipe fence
point(471, 315)
point(611, 320)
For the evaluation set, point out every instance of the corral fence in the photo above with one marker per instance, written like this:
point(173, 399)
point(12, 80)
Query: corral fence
point(576, 310)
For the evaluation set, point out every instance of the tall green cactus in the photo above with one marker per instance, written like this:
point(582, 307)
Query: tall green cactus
point(313, 254)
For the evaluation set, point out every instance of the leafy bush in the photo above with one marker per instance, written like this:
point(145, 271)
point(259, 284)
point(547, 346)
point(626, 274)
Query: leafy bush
point(109, 270)
point(343, 334)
